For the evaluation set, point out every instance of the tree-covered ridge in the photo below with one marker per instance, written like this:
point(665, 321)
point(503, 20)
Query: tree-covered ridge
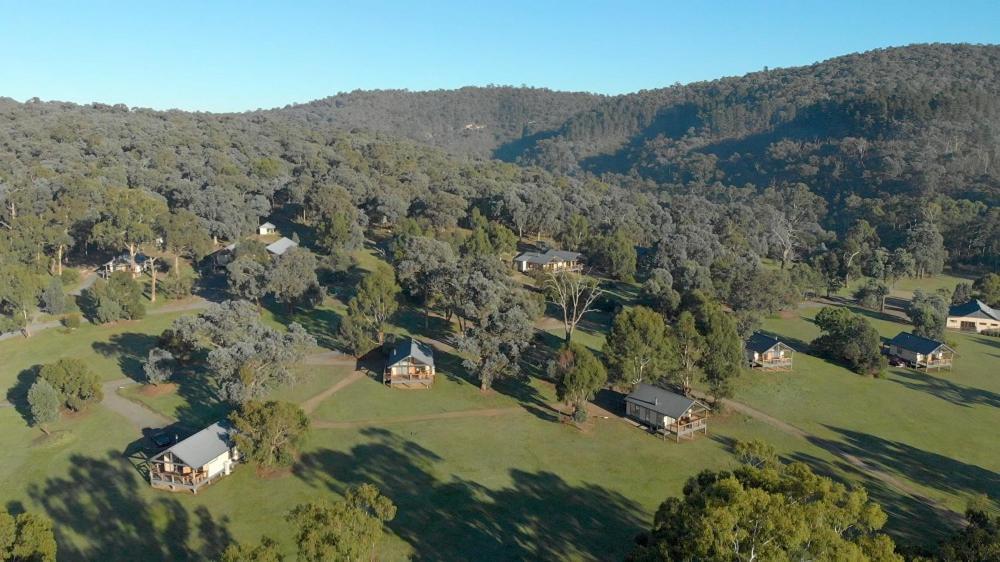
point(468, 120)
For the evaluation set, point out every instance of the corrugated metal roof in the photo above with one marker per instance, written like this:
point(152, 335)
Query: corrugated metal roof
point(661, 401)
point(281, 246)
point(268, 225)
point(410, 347)
point(974, 308)
point(548, 257)
point(916, 343)
point(199, 449)
point(761, 342)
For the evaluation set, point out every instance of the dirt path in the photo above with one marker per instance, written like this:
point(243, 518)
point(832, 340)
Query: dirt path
point(310, 405)
point(329, 358)
point(139, 415)
point(483, 413)
point(856, 462)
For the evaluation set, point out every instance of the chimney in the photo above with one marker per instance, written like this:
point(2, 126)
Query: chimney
point(656, 401)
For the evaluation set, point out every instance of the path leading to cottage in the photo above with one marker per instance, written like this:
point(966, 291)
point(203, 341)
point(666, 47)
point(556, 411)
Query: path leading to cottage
point(139, 415)
point(480, 413)
point(310, 405)
point(858, 463)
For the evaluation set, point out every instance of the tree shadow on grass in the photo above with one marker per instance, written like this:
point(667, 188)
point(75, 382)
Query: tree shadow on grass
point(17, 395)
point(539, 516)
point(927, 468)
point(131, 349)
point(202, 404)
point(321, 323)
point(100, 500)
point(912, 519)
point(957, 394)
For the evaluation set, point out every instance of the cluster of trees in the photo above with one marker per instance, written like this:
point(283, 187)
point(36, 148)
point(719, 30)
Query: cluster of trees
point(851, 339)
point(26, 537)
point(699, 341)
point(290, 278)
point(349, 529)
point(766, 510)
point(66, 383)
point(245, 357)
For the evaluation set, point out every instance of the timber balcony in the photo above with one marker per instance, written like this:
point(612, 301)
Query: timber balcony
point(686, 428)
point(775, 364)
point(168, 480)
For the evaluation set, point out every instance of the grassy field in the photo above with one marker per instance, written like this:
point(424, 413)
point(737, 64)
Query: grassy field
point(515, 485)
point(932, 430)
point(519, 485)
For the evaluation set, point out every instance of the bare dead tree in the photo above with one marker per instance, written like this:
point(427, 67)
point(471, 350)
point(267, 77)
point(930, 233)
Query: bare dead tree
point(574, 294)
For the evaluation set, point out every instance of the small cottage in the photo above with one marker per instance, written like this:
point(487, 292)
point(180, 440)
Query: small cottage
point(667, 412)
point(920, 352)
point(124, 263)
point(281, 246)
point(266, 229)
point(410, 365)
point(196, 461)
point(767, 353)
point(549, 261)
point(973, 316)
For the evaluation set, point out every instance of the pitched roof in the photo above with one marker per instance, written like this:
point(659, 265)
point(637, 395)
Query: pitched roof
point(199, 449)
point(976, 308)
point(548, 257)
point(916, 343)
point(410, 347)
point(761, 342)
point(661, 401)
point(281, 246)
point(268, 224)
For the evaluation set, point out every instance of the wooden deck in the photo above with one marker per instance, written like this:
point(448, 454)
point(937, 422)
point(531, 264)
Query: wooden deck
point(175, 482)
point(782, 364)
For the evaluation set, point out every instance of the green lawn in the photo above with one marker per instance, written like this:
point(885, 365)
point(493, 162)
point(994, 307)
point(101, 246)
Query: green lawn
point(516, 486)
point(934, 430)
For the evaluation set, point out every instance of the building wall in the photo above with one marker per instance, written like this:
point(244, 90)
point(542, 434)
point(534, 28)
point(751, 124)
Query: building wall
point(647, 416)
point(217, 465)
point(955, 323)
point(907, 354)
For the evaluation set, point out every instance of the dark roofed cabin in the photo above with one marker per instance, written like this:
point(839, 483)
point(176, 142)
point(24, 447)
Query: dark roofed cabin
point(768, 354)
point(196, 461)
point(410, 365)
point(920, 352)
point(667, 412)
point(551, 260)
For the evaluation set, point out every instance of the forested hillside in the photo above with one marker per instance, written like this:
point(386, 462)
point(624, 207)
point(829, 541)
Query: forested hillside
point(839, 169)
point(465, 121)
point(871, 133)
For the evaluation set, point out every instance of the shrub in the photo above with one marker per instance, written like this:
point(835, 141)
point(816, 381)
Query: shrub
point(176, 287)
point(69, 277)
point(74, 381)
point(44, 401)
point(54, 298)
point(118, 298)
point(72, 320)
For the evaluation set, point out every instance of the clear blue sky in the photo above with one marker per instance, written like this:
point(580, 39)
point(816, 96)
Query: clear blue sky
point(227, 56)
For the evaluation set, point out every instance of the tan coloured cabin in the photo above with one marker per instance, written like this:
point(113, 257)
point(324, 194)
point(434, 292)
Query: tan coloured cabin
point(196, 461)
point(410, 365)
point(267, 229)
point(667, 412)
point(921, 353)
point(768, 354)
point(549, 261)
point(123, 263)
point(973, 316)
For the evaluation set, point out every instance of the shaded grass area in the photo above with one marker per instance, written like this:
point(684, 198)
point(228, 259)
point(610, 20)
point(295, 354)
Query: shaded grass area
point(106, 349)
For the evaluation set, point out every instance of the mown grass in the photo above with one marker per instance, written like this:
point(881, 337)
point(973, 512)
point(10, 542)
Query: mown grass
point(515, 486)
